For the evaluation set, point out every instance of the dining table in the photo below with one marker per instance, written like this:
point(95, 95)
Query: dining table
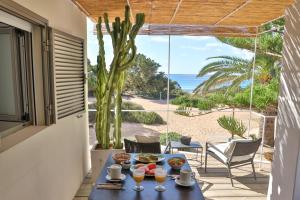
point(173, 191)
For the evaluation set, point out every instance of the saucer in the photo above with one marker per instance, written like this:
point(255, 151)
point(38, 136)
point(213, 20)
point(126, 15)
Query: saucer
point(122, 178)
point(177, 181)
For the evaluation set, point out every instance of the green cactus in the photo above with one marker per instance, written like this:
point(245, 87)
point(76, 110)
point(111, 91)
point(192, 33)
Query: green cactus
point(110, 81)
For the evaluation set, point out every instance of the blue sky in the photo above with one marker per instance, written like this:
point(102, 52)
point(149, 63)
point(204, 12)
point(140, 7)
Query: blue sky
point(188, 53)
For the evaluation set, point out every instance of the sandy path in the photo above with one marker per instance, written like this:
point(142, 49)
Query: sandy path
point(199, 127)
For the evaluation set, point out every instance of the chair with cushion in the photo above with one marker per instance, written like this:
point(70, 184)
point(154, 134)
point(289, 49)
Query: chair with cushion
point(234, 154)
point(137, 147)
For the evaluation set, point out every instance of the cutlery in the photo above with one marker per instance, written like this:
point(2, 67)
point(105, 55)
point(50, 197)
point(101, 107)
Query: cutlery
point(110, 186)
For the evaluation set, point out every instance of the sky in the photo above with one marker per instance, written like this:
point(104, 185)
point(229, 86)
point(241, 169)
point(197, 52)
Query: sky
point(188, 53)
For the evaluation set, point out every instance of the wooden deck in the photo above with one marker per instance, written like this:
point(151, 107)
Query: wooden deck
point(214, 184)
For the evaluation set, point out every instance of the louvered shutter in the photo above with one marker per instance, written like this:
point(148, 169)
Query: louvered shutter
point(68, 62)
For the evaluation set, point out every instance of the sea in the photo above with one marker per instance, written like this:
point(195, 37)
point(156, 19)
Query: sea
point(188, 82)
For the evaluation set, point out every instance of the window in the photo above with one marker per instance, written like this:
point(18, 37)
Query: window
point(15, 69)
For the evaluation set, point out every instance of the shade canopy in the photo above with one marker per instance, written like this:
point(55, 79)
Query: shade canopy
point(193, 17)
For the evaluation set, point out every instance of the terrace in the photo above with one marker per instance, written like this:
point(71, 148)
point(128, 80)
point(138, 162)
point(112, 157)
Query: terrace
point(47, 106)
point(203, 124)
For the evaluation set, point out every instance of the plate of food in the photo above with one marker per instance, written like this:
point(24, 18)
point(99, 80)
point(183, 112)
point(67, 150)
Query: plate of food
point(149, 158)
point(149, 168)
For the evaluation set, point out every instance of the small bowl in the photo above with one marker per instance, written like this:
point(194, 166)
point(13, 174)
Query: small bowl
point(120, 157)
point(126, 165)
point(176, 162)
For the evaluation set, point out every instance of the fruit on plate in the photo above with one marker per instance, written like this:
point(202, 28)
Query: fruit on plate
point(176, 162)
point(149, 168)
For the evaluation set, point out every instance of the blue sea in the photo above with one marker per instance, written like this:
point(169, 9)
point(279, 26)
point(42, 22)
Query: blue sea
point(188, 82)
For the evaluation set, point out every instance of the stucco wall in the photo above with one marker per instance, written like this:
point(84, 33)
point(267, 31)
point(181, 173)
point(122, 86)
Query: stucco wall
point(288, 126)
point(51, 164)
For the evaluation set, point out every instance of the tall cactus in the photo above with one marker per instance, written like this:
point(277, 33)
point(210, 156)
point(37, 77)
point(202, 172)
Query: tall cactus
point(109, 81)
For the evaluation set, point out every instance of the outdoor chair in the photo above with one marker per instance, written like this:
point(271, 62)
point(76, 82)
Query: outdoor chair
point(233, 154)
point(136, 147)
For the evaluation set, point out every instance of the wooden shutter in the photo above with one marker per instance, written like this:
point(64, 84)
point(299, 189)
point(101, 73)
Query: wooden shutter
point(68, 62)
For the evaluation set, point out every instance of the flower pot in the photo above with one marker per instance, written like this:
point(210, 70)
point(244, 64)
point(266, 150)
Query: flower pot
point(98, 159)
point(185, 140)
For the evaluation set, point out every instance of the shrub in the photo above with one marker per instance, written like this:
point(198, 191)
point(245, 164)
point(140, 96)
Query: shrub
point(205, 104)
point(142, 117)
point(232, 125)
point(127, 105)
point(185, 99)
point(173, 136)
point(218, 98)
point(183, 110)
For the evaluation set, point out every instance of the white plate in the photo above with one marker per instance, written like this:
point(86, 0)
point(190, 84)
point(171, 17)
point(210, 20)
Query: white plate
point(122, 178)
point(177, 181)
point(159, 159)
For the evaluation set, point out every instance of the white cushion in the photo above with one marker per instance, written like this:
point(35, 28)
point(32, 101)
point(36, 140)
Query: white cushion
point(227, 148)
point(222, 147)
point(146, 139)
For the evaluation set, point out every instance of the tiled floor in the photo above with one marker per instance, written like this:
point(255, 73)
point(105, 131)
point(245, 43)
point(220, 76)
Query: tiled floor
point(214, 184)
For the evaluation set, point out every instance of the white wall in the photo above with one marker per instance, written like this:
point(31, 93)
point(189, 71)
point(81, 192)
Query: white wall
point(48, 166)
point(51, 164)
point(288, 126)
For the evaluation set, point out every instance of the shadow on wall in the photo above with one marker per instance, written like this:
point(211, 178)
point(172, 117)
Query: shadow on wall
point(288, 124)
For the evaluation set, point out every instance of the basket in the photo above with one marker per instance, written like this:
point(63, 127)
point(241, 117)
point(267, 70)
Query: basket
point(120, 157)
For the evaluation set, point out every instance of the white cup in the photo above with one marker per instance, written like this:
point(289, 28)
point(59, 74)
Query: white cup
point(185, 176)
point(114, 171)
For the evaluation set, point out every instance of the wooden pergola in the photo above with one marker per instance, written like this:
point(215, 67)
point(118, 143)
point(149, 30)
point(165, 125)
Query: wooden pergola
point(239, 18)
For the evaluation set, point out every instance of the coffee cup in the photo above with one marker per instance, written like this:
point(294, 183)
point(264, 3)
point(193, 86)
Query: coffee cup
point(185, 176)
point(114, 171)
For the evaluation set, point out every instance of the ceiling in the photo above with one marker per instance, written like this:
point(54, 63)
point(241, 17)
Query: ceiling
point(192, 17)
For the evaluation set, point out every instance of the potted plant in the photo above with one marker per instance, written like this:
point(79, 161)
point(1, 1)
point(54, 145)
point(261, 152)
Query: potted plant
point(110, 81)
point(232, 125)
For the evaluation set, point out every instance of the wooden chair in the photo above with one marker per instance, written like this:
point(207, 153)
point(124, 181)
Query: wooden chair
point(233, 154)
point(136, 147)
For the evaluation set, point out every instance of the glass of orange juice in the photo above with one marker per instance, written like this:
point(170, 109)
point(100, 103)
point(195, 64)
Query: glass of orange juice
point(138, 176)
point(160, 177)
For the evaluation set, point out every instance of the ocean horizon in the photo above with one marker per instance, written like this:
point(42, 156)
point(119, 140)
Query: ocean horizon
point(188, 82)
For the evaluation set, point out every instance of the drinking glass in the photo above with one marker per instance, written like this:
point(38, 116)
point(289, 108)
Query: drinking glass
point(160, 177)
point(138, 176)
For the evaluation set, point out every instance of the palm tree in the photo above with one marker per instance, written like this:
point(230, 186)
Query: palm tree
point(227, 71)
point(230, 72)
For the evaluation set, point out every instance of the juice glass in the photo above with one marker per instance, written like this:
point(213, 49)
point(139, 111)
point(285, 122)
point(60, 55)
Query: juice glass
point(160, 177)
point(138, 176)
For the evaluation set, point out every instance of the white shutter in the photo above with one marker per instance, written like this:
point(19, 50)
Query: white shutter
point(68, 61)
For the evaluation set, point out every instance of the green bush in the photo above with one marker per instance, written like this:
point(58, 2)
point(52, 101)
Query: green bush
point(263, 96)
point(142, 117)
point(218, 98)
point(127, 105)
point(205, 104)
point(181, 100)
point(183, 110)
point(173, 136)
